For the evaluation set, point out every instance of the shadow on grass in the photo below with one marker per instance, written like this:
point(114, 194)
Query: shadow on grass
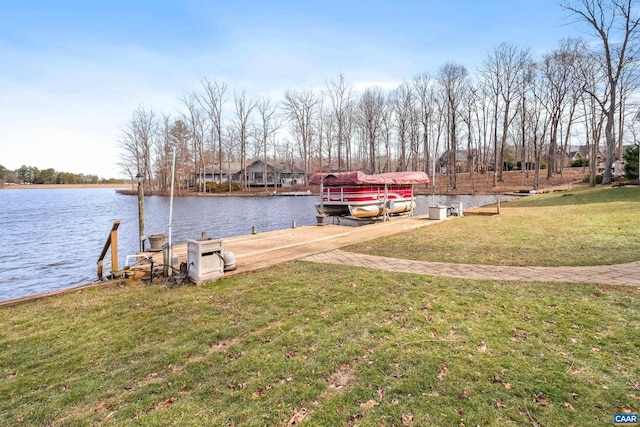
point(481, 213)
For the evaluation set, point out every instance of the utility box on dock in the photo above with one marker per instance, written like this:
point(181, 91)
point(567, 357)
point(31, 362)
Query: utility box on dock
point(206, 259)
point(437, 212)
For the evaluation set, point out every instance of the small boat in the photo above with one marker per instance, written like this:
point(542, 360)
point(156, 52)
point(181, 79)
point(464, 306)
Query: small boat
point(367, 196)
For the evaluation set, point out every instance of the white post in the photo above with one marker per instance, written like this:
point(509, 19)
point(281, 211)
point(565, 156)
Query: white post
point(173, 172)
point(141, 210)
point(385, 211)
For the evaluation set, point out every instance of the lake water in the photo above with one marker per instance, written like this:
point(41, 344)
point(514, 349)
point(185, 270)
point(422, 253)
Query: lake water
point(51, 238)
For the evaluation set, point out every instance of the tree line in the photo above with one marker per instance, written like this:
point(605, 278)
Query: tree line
point(515, 106)
point(32, 175)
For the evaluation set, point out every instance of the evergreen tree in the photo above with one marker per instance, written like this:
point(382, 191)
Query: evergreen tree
point(631, 162)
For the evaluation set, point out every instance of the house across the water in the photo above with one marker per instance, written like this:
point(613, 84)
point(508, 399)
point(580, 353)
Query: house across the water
point(257, 174)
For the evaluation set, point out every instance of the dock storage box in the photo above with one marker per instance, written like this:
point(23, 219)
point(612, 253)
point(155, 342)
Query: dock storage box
point(206, 259)
point(437, 212)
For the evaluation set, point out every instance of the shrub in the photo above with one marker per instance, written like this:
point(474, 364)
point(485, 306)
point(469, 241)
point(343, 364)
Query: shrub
point(214, 187)
point(580, 163)
point(631, 162)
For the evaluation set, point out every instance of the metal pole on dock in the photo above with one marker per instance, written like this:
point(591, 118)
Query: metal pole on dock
point(141, 210)
point(168, 271)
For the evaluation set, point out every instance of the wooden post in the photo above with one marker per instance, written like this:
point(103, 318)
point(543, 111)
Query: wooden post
point(112, 241)
point(113, 237)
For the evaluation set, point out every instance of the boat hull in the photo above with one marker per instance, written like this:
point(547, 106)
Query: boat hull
point(372, 211)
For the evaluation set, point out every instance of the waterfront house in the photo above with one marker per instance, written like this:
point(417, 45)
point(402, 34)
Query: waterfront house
point(257, 172)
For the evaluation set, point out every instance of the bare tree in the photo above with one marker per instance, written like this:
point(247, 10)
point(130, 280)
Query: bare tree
point(328, 130)
point(371, 107)
point(213, 101)
point(163, 153)
point(482, 118)
point(453, 85)
point(490, 74)
point(505, 65)
point(537, 119)
point(558, 81)
point(267, 111)
point(469, 107)
point(616, 28)
point(593, 116)
point(300, 108)
point(424, 87)
point(402, 100)
point(241, 121)
point(180, 141)
point(340, 95)
point(194, 118)
point(136, 143)
point(387, 129)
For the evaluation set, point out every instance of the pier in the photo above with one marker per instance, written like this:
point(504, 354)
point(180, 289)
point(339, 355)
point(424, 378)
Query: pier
point(266, 249)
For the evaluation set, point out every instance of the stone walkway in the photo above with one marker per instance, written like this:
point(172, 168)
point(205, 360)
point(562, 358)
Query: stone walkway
point(621, 274)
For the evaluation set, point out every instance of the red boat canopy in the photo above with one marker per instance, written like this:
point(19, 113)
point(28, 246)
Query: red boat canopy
point(360, 178)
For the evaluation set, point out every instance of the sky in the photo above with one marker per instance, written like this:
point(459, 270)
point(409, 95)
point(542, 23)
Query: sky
point(72, 72)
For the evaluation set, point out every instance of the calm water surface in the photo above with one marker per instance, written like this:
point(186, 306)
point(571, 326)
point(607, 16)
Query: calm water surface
point(51, 238)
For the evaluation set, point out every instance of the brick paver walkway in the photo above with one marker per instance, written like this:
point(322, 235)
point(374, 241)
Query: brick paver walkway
point(621, 274)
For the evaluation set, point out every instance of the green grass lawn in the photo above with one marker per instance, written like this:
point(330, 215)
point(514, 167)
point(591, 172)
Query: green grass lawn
point(582, 227)
point(336, 346)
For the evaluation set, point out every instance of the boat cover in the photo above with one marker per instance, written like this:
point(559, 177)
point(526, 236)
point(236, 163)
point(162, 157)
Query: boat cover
point(360, 178)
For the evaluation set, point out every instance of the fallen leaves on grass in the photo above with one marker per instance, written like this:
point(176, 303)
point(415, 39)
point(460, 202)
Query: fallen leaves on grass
point(369, 404)
point(297, 417)
point(541, 399)
point(442, 372)
point(407, 420)
point(162, 405)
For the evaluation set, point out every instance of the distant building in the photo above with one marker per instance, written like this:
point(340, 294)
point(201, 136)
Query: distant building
point(257, 173)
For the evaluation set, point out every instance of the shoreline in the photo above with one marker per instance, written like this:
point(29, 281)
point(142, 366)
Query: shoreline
point(479, 184)
point(59, 186)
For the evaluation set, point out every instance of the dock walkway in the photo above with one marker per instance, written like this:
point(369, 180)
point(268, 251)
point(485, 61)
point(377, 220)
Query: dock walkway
point(322, 244)
point(262, 250)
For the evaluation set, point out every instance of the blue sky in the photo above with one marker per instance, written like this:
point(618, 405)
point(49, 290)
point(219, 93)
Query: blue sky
point(73, 72)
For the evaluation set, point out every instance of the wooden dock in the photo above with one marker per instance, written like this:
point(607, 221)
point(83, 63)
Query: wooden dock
point(266, 249)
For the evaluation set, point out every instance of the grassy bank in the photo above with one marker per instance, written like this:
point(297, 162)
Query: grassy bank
point(339, 346)
point(579, 227)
